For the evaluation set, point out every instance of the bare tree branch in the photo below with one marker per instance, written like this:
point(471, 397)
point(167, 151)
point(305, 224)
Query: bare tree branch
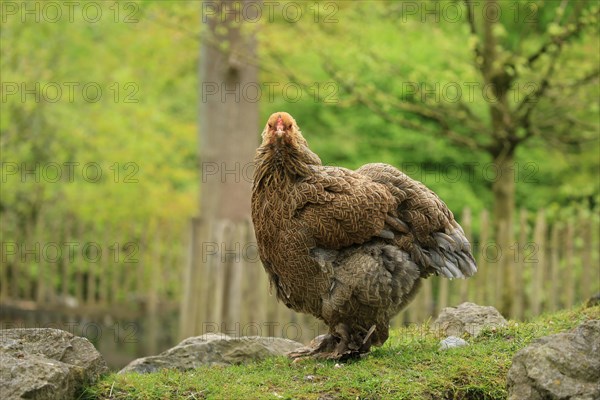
point(473, 27)
point(587, 78)
point(560, 40)
point(370, 100)
point(529, 102)
point(560, 11)
point(460, 111)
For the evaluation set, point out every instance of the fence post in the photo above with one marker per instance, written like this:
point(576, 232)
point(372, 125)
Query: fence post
point(4, 286)
point(90, 297)
point(443, 294)
point(482, 285)
point(255, 286)
point(554, 267)
point(104, 269)
point(235, 273)
point(466, 224)
point(42, 274)
point(78, 268)
point(520, 266)
point(586, 257)
point(501, 291)
point(65, 267)
point(154, 246)
point(569, 270)
point(538, 273)
point(188, 310)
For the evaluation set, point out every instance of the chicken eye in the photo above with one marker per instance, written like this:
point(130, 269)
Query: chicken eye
point(289, 126)
point(270, 125)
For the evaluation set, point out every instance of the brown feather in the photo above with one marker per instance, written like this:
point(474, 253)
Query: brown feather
point(349, 247)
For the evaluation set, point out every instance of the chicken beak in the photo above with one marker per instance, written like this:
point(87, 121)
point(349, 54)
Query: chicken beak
point(279, 131)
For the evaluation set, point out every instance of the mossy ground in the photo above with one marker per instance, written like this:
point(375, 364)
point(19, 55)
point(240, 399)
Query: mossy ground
point(408, 366)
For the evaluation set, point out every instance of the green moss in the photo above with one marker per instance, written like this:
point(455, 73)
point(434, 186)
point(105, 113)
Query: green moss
point(408, 366)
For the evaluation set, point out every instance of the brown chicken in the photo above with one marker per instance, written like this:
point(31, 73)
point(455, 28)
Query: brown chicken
point(349, 247)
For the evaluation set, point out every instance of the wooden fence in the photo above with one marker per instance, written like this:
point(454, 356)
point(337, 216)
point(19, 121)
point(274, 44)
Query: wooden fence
point(226, 289)
point(120, 289)
point(545, 266)
point(548, 265)
point(63, 265)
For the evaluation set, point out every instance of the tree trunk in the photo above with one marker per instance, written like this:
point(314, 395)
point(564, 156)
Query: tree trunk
point(503, 188)
point(501, 172)
point(228, 115)
point(228, 137)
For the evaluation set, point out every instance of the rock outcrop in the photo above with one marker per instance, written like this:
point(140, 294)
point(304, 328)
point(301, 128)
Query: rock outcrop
point(46, 364)
point(467, 318)
point(213, 349)
point(561, 366)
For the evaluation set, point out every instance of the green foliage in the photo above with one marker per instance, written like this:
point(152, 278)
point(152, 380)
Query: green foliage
point(141, 133)
point(415, 52)
point(137, 131)
point(408, 366)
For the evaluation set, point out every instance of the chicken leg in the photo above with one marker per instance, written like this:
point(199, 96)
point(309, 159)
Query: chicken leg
point(340, 345)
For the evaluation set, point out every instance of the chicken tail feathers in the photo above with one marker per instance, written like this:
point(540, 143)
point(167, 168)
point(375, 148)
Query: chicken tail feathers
point(451, 257)
point(424, 225)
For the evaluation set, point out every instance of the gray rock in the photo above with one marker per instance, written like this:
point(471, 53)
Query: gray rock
point(213, 349)
point(468, 318)
point(451, 342)
point(46, 364)
point(561, 366)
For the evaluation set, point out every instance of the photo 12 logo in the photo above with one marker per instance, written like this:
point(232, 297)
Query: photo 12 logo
point(456, 11)
point(253, 92)
point(471, 172)
point(270, 11)
point(67, 172)
point(466, 92)
point(72, 252)
point(69, 11)
point(69, 92)
point(234, 252)
point(227, 172)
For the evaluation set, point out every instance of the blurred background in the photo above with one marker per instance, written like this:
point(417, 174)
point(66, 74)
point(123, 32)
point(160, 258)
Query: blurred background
point(128, 131)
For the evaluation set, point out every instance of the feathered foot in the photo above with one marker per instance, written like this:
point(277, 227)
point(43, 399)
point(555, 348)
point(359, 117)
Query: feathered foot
point(339, 346)
point(319, 348)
